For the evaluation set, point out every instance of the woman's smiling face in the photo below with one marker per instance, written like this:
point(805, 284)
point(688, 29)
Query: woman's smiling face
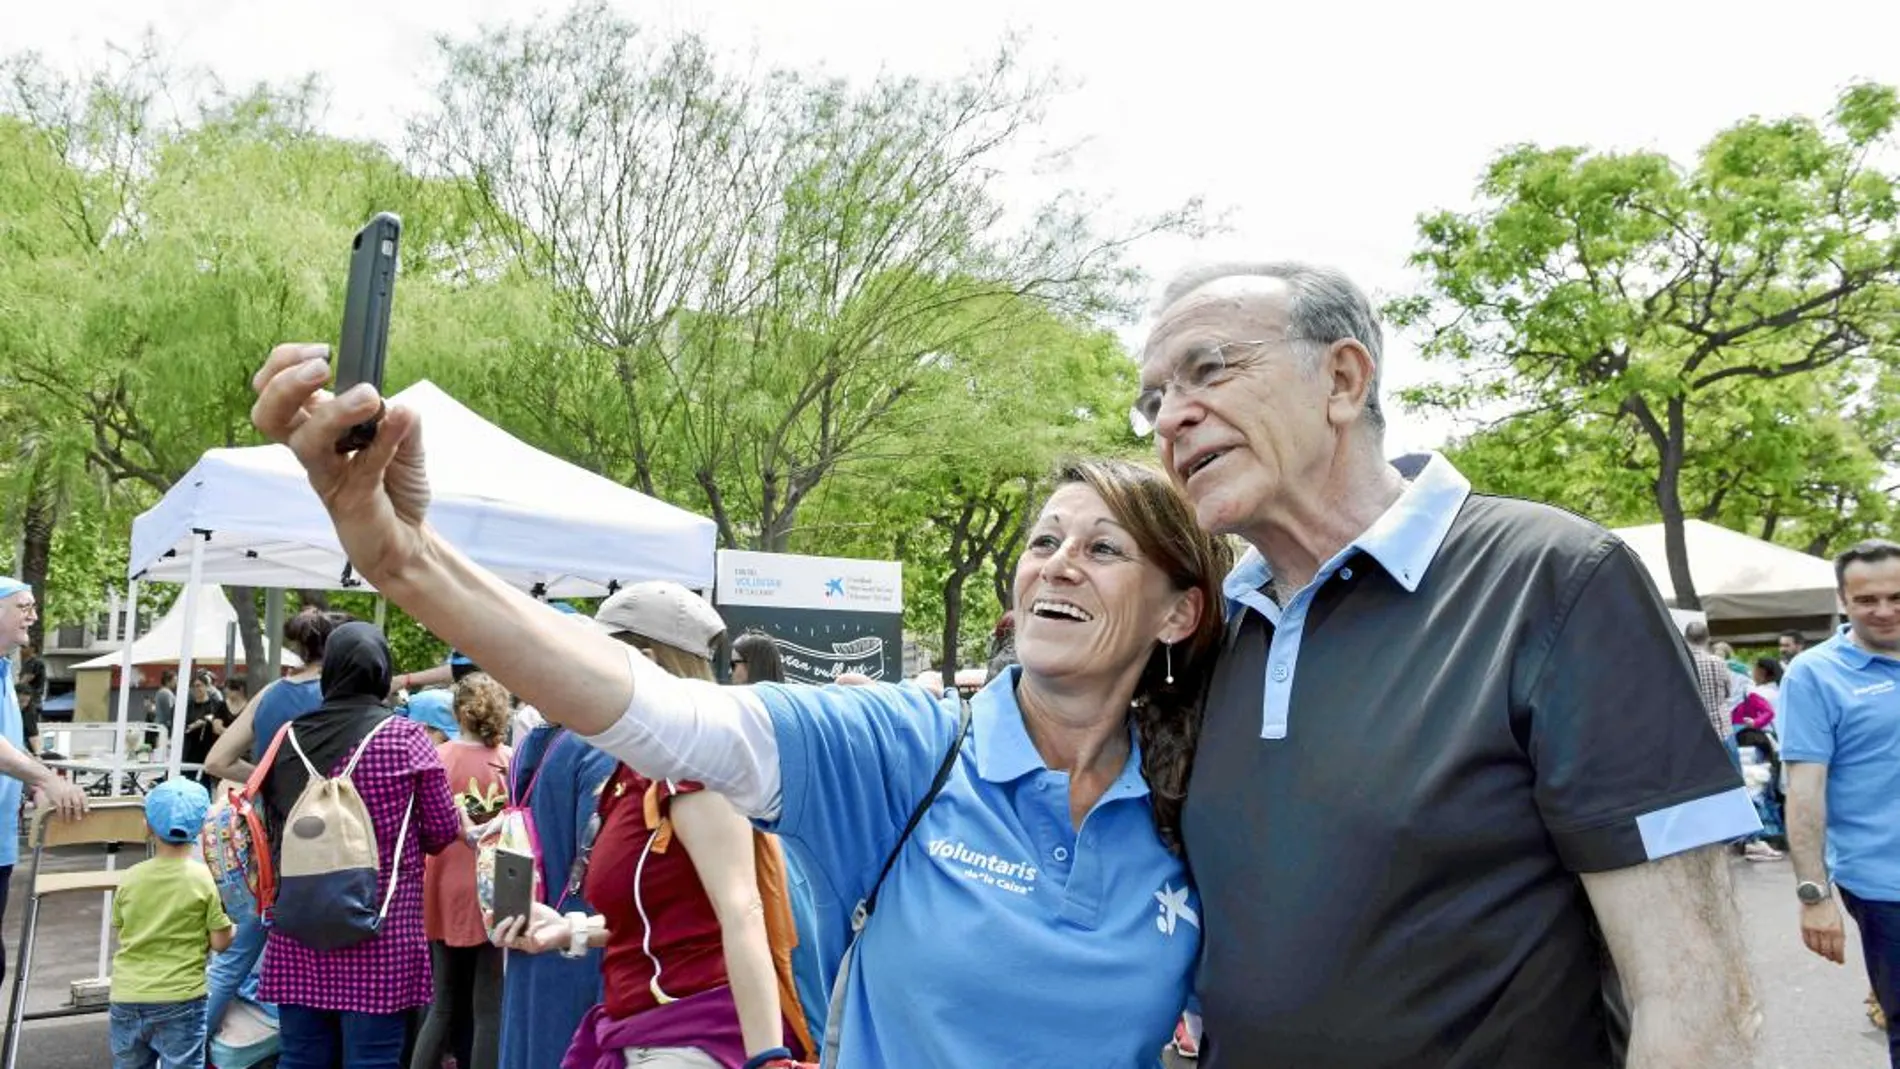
point(1088, 603)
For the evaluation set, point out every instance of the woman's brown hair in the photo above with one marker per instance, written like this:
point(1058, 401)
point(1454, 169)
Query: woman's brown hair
point(308, 632)
point(1167, 715)
point(481, 708)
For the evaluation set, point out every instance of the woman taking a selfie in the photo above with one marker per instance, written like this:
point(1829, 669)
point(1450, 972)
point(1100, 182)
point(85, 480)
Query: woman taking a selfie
point(1038, 913)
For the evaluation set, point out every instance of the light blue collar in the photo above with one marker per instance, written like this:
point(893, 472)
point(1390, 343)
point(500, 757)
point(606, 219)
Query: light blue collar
point(1004, 752)
point(1851, 652)
point(1404, 539)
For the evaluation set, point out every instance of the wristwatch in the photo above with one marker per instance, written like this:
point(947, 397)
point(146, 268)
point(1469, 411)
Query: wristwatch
point(1811, 893)
point(578, 929)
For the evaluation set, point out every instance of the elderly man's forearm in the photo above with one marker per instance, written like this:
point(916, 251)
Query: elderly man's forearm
point(20, 765)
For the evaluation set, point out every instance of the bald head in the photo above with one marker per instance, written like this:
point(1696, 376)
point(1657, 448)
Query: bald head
point(1315, 304)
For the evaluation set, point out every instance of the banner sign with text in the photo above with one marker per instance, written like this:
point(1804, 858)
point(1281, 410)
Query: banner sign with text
point(828, 615)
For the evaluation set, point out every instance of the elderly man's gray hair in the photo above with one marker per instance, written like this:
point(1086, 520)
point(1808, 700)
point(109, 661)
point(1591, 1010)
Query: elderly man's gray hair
point(1324, 306)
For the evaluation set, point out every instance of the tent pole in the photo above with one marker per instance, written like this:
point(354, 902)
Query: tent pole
point(274, 628)
point(180, 704)
point(382, 614)
point(128, 632)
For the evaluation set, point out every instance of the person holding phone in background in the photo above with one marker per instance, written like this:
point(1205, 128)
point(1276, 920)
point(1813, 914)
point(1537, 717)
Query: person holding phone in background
point(689, 976)
point(558, 778)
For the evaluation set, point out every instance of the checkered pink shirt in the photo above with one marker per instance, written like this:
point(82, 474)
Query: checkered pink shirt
point(391, 971)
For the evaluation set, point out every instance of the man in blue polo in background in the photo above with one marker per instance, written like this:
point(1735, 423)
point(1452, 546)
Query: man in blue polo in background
point(18, 611)
point(1840, 722)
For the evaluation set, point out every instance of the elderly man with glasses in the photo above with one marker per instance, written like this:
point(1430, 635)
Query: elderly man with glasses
point(18, 612)
point(1455, 798)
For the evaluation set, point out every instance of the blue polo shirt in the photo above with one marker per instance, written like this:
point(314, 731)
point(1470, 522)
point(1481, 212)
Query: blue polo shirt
point(13, 729)
point(1003, 936)
point(1840, 707)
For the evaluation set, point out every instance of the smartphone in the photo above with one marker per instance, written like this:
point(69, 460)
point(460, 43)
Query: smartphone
point(365, 341)
point(514, 884)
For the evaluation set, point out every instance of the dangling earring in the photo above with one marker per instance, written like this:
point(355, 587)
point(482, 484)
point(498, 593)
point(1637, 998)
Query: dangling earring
point(1169, 650)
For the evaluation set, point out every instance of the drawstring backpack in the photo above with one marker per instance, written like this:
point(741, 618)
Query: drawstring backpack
point(328, 863)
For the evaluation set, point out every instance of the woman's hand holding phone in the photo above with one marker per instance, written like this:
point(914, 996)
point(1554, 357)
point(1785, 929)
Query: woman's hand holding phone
point(376, 496)
point(540, 931)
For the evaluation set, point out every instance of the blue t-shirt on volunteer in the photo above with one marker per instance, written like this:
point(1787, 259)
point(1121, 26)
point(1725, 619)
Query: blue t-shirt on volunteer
point(547, 994)
point(279, 705)
point(1003, 936)
point(12, 727)
point(1840, 707)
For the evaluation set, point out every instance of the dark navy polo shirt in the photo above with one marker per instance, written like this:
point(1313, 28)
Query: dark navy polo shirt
point(1402, 772)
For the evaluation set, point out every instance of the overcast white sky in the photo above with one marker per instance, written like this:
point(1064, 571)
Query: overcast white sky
point(1322, 129)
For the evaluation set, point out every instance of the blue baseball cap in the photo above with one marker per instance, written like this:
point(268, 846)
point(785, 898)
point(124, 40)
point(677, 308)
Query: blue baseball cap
point(175, 809)
point(436, 709)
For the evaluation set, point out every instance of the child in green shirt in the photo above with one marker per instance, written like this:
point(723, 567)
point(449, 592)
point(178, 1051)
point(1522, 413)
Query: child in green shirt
point(169, 917)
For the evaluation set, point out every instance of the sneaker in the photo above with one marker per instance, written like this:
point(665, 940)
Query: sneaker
point(1184, 1044)
point(1760, 851)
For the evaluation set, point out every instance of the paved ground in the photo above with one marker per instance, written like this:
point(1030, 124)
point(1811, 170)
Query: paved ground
point(1815, 1016)
point(1814, 1009)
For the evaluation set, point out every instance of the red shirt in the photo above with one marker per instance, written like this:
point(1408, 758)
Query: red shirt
point(662, 931)
point(478, 777)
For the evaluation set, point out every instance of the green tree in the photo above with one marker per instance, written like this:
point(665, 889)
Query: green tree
point(1641, 319)
point(166, 253)
point(953, 498)
point(764, 276)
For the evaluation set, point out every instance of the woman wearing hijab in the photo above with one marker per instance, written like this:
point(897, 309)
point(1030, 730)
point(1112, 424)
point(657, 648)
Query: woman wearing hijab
point(233, 970)
point(351, 1006)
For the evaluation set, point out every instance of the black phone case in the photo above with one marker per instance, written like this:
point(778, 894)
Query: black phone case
point(366, 304)
point(514, 885)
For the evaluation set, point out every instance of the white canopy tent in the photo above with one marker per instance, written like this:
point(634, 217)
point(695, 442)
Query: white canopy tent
point(535, 519)
point(1738, 577)
point(168, 640)
point(248, 517)
point(178, 640)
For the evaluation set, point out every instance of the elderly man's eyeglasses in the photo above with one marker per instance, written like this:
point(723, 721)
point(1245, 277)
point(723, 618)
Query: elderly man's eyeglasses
point(1200, 370)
